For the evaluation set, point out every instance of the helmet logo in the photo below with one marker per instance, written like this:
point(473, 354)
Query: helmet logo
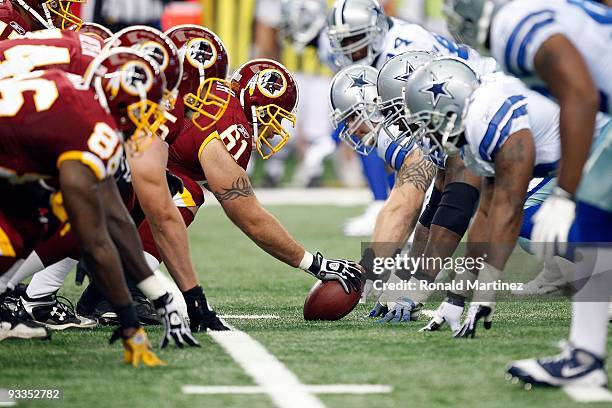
point(406, 75)
point(359, 81)
point(156, 51)
point(271, 83)
point(136, 78)
point(437, 90)
point(201, 52)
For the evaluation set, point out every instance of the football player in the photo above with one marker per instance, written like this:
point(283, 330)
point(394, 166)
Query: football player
point(80, 166)
point(18, 17)
point(360, 33)
point(520, 139)
point(561, 48)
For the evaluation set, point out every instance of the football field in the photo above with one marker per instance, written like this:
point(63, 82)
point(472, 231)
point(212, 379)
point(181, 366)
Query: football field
point(420, 370)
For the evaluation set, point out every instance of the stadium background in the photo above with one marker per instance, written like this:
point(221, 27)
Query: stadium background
point(236, 22)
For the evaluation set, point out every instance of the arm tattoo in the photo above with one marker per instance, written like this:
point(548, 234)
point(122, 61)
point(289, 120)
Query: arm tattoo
point(418, 174)
point(241, 187)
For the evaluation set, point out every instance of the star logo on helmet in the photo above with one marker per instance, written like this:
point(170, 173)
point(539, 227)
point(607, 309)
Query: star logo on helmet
point(437, 90)
point(406, 75)
point(359, 81)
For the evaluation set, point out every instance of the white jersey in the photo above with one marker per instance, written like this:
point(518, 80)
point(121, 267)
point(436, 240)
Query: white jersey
point(502, 106)
point(404, 36)
point(522, 26)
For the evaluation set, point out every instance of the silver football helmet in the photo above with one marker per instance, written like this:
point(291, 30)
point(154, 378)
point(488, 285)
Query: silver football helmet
point(435, 98)
point(390, 85)
point(469, 20)
point(354, 103)
point(356, 30)
point(302, 20)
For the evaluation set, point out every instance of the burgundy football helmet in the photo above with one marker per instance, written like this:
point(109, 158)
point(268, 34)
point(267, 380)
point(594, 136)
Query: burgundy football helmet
point(96, 30)
point(131, 87)
point(52, 13)
point(159, 48)
point(205, 66)
point(268, 94)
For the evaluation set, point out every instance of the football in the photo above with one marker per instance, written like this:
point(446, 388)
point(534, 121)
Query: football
point(329, 301)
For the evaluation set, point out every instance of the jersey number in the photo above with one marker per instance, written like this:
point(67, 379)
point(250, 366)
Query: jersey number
point(103, 142)
point(11, 99)
point(231, 137)
point(26, 58)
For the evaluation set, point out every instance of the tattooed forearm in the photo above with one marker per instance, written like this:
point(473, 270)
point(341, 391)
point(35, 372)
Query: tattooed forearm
point(241, 187)
point(417, 173)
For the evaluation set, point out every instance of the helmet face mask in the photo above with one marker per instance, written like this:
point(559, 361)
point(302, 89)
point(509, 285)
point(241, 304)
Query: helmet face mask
point(268, 94)
point(469, 21)
point(208, 107)
point(356, 31)
point(436, 97)
point(53, 13)
point(302, 20)
point(130, 86)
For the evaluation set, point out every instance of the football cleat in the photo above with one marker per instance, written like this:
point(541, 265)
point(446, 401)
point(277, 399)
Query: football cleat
point(105, 314)
point(54, 314)
point(549, 280)
point(363, 225)
point(19, 326)
point(572, 366)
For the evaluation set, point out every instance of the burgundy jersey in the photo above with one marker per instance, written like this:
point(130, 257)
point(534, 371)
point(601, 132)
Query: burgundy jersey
point(233, 128)
point(46, 118)
point(66, 50)
point(12, 24)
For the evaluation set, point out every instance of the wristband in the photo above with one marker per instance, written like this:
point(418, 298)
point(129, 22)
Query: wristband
point(306, 261)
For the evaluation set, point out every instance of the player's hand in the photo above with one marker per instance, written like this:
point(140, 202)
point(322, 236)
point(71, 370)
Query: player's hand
point(477, 311)
point(369, 277)
point(137, 348)
point(175, 327)
point(347, 273)
point(378, 310)
point(402, 310)
point(446, 313)
point(552, 223)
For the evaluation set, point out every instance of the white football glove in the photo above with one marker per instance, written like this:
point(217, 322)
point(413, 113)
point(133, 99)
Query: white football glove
point(477, 311)
point(446, 313)
point(552, 223)
point(346, 272)
point(175, 328)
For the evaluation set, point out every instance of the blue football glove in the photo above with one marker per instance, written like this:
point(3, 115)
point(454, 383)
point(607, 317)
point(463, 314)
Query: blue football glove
point(402, 310)
point(378, 310)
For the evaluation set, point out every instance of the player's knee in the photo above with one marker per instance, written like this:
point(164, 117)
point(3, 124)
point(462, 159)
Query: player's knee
point(456, 207)
point(430, 209)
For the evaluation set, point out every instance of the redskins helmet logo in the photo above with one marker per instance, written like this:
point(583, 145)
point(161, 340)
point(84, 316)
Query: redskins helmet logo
point(201, 52)
point(136, 77)
point(155, 51)
point(271, 83)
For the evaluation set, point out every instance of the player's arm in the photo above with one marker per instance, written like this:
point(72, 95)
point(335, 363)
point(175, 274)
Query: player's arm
point(167, 226)
point(80, 190)
point(397, 218)
point(231, 186)
point(123, 231)
point(513, 170)
point(562, 67)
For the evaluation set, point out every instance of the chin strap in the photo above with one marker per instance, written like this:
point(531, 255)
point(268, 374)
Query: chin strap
point(48, 23)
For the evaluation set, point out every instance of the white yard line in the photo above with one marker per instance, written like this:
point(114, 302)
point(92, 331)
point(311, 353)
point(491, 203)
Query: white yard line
point(315, 389)
point(588, 394)
point(250, 317)
point(283, 387)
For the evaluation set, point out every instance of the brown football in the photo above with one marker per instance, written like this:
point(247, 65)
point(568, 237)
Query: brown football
point(328, 301)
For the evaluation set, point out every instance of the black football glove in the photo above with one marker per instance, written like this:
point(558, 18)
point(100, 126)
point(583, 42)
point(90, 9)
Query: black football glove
point(201, 317)
point(175, 184)
point(175, 327)
point(341, 270)
point(477, 311)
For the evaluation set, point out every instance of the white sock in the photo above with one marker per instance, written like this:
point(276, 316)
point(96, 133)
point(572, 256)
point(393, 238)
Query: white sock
point(589, 328)
point(29, 267)
point(5, 279)
point(151, 261)
point(50, 279)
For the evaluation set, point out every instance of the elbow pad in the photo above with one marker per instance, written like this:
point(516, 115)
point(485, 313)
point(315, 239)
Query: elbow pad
point(456, 207)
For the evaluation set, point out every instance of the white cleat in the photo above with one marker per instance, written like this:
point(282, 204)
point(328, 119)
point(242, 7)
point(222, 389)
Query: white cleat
point(363, 225)
point(552, 278)
point(573, 367)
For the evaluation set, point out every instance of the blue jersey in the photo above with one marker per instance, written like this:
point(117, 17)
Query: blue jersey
point(521, 27)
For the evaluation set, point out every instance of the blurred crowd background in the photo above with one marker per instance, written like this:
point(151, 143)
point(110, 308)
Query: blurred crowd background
point(251, 29)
